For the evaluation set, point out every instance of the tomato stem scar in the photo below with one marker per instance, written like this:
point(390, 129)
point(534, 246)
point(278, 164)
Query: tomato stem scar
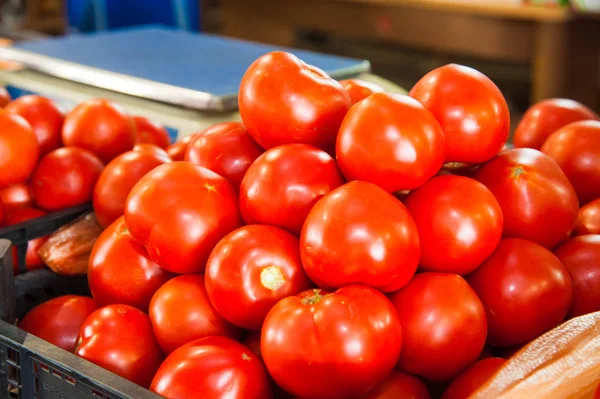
point(272, 278)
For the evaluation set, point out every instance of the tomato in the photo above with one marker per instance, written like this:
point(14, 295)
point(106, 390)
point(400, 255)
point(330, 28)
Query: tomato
point(470, 380)
point(390, 140)
point(152, 148)
point(581, 257)
point(5, 97)
point(212, 367)
point(117, 180)
point(459, 223)
point(589, 219)
point(19, 148)
point(360, 234)
point(359, 89)
point(546, 117)
point(576, 149)
point(178, 149)
point(226, 149)
point(181, 312)
point(471, 110)
point(537, 200)
point(16, 196)
point(283, 100)
point(150, 132)
point(99, 126)
point(331, 345)
point(44, 116)
point(399, 385)
point(32, 258)
point(59, 320)
point(525, 291)
point(64, 178)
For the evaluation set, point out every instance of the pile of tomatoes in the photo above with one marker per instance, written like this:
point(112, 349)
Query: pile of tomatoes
point(341, 242)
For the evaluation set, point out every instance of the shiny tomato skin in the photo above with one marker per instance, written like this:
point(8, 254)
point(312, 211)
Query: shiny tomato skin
point(360, 234)
point(359, 89)
point(576, 149)
point(99, 126)
point(390, 140)
point(120, 270)
point(19, 147)
point(473, 378)
point(152, 148)
point(117, 180)
point(178, 149)
point(150, 132)
point(525, 291)
point(284, 183)
point(225, 148)
point(447, 302)
point(589, 219)
point(5, 97)
point(44, 117)
point(212, 367)
point(16, 196)
point(59, 320)
point(459, 223)
point(181, 312)
point(471, 110)
point(64, 178)
point(581, 257)
point(283, 100)
point(179, 211)
point(250, 270)
point(338, 344)
point(537, 200)
point(32, 258)
point(399, 385)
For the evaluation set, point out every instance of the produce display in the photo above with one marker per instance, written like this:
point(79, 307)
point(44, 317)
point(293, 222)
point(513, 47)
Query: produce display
point(338, 242)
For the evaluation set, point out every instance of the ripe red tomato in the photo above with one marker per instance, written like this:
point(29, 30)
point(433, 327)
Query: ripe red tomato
point(546, 117)
point(399, 385)
point(117, 180)
point(473, 378)
point(101, 127)
point(525, 291)
point(225, 148)
point(16, 196)
point(178, 149)
point(581, 257)
point(283, 100)
point(331, 345)
point(152, 148)
point(44, 116)
point(59, 320)
point(212, 367)
point(390, 140)
point(359, 89)
point(471, 110)
point(537, 200)
point(250, 270)
point(360, 234)
point(120, 271)
point(181, 312)
point(576, 149)
point(179, 211)
point(443, 325)
point(5, 97)
point(284, 183)
point(459, 223)
point(150, 132)
point(589, 219)
point(19, 148)
point(32, 258)
point(65, 177)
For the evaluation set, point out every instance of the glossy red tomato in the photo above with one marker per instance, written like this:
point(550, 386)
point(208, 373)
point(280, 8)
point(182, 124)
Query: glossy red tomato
point(390, 140)
point(250, 270)
point(581, 257)
point(178, 149)
point(16, 196)
point(117, 180)
point(44, 116)
point(576, 148)
point(19, 148)
point(525, 291)
point(32, 258)
point(179, 211)
point(284, 183)
point(181, 312)
point(283, 100)
point(150, 132)
point(537, 200)
point(225, 148)
point(360, 234)
point(212, 367)
point(470, 380)
point(399, 385)
point(459, 223)
point(65, 177)
point(443, 325)
point(120, 271)
point(152, 148)
point(99, 126)
point(5, 97)
point(546, 117)
point(360, 89)
point(589, 219)
point(338, 344)
point(471, 110)
point(59, 320)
